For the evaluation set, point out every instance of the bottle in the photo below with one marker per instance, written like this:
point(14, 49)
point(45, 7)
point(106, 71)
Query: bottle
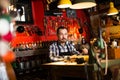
point(114, 43)
point(83, 41)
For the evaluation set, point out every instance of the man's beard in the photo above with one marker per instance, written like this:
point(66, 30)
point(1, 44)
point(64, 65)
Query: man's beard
point(63, 40)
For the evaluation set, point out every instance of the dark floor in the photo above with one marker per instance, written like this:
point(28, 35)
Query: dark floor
point(40, 74)
point(37, 77)
point(71, 78)
point(32, 75)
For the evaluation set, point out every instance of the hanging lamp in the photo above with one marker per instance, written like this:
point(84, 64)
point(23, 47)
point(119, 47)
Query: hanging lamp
point(112, 10)
point(82, 4)
point(64, 4)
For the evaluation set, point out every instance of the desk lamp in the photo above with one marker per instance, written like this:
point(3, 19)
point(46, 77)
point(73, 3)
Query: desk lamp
point(98, 44)
point(64, 4)
point(82, 4)
point(76, 4)
point(112, 10)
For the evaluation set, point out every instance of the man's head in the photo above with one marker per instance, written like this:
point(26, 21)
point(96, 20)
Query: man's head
point(62, 33)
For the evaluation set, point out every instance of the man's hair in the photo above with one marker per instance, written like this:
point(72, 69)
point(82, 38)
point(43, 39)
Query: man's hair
point(61, 27)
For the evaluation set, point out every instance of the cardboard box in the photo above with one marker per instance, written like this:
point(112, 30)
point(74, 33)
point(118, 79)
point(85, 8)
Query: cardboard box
point(113, 53)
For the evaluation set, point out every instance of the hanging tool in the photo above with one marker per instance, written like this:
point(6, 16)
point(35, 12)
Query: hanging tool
point(80, 24)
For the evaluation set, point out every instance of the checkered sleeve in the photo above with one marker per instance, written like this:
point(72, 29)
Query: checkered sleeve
point(74, 51)
point(54, 53)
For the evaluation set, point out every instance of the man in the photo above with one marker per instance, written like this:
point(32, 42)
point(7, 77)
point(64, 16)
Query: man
point(62, 47)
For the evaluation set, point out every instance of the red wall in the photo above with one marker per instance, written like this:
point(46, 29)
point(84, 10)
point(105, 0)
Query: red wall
point(38, 15)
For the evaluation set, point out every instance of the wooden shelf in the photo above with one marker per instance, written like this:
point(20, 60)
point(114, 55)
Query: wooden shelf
point(21, 39)
point(31, 52)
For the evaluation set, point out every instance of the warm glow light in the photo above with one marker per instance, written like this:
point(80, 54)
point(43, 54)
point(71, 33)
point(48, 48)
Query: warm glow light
point(64, 4)
point(112, 10)
point(82, 4)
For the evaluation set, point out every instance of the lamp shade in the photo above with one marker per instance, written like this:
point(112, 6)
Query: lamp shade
point(82, 4)
point(112, 10)
point(64, 4)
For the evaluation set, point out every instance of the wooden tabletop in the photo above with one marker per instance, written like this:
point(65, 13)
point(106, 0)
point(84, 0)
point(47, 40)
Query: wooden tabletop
point(103, 64)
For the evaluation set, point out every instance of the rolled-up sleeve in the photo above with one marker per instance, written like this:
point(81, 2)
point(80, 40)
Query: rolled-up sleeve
point(74, 51)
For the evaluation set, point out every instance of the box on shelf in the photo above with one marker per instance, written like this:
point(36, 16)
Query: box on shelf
point(113, 53)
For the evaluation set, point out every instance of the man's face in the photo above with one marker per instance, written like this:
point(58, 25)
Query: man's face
point(62, 35)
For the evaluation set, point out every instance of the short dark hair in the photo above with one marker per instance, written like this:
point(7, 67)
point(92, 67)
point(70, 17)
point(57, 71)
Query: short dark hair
point(61, 27)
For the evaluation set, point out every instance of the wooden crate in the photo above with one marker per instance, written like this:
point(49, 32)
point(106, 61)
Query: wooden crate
point(113, 53)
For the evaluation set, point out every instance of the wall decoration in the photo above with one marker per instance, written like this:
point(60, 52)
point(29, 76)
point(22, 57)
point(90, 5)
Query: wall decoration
point(24, 10)
point(51, 23)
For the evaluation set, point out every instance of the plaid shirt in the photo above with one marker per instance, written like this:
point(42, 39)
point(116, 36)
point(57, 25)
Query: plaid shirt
point(56, 49)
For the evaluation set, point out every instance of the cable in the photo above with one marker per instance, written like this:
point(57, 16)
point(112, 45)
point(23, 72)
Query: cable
point(106, 58)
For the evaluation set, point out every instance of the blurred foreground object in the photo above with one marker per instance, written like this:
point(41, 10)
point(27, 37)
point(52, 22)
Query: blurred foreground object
point(6, 35)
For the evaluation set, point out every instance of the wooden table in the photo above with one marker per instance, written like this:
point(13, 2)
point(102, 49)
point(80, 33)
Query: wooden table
point(57, 70)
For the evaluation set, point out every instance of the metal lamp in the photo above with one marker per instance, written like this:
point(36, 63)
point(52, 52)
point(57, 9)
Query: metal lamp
point(82, 4)
point(64, 4)
point(112, 10)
